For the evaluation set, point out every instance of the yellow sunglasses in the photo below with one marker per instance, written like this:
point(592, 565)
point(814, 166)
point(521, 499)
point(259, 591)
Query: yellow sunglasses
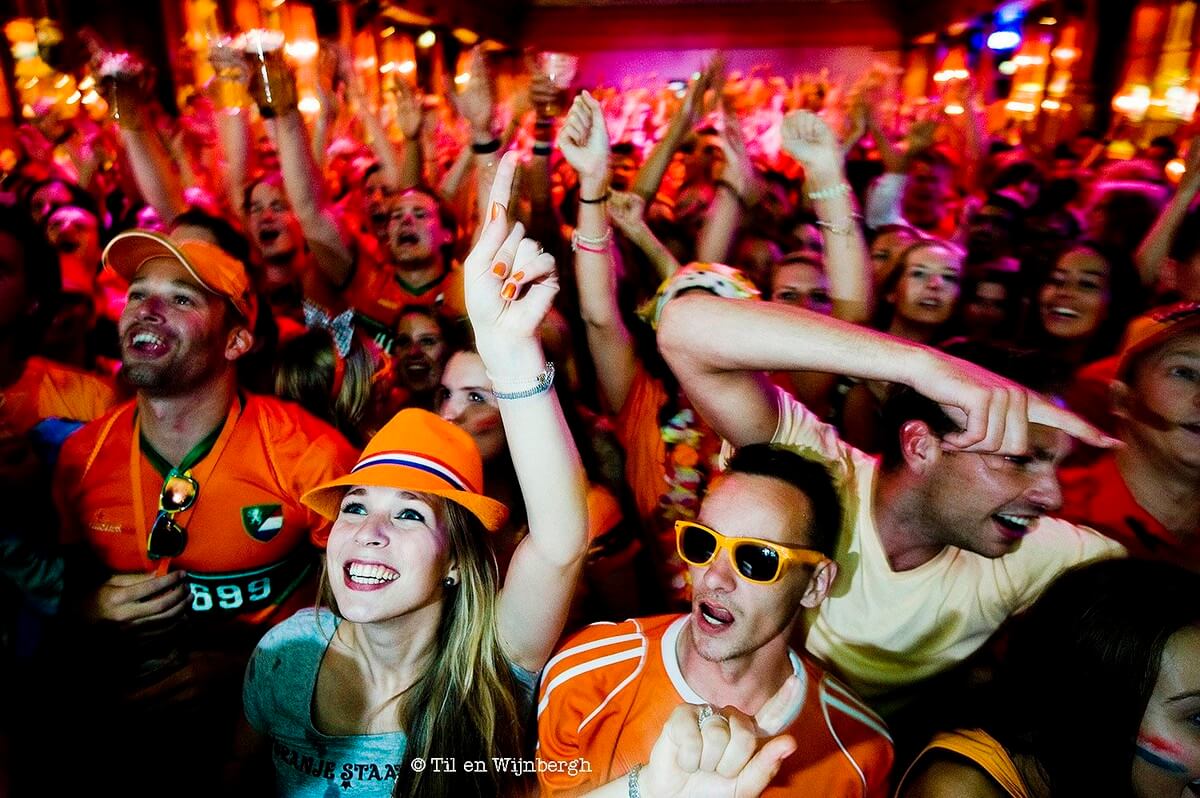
point(755, 560)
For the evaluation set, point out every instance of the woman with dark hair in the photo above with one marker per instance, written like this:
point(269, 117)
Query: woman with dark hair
point(920, 296)
point(1084, 303)
point(422, 346)
point(1099, 695)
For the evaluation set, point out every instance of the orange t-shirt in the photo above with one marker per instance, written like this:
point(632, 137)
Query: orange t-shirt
point(249, 553)
point(379, 295)
point(607, 693)
point(1096, 495)
point(49, 390)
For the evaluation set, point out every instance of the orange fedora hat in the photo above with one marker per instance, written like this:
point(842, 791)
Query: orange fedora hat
point(423, 453)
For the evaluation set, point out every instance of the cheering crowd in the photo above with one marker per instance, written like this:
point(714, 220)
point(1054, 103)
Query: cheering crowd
point(761, 437)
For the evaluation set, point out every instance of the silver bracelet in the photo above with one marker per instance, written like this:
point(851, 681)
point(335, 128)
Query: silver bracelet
point(541, 384)
point(634, 791)
point(844, 227)
point(840, 190)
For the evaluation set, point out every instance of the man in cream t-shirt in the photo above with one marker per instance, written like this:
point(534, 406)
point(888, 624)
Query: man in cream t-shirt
point(945, 536)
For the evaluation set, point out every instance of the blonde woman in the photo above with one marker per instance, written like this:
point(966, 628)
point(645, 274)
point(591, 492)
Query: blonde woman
point(423, 658)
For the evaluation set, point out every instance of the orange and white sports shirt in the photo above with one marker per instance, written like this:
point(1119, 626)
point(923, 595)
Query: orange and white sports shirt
point(249, 539)
point(608, 692)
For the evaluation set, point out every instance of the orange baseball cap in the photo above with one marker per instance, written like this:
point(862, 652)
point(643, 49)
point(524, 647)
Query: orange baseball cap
point(421, 452)
point(214, 268)
point(1154, 328)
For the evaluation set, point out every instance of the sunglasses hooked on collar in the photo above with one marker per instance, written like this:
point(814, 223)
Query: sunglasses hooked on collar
point(761, 562)
point(167, 538)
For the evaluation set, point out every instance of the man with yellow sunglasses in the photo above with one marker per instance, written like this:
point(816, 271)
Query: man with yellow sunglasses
point(758, 555)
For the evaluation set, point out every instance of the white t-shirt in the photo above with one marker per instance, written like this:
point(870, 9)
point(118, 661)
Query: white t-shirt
point(882, 630)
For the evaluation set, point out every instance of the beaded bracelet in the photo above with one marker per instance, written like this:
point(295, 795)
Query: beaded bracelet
point(596, 245)
point(541, 384)
point(840, 190)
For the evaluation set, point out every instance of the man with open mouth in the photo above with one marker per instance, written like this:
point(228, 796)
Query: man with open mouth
point(947, 534)
point(180, 517)
point(758, 556)
point(413, 263)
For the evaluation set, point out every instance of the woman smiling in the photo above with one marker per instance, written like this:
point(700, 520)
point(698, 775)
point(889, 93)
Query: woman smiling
point(422, 652)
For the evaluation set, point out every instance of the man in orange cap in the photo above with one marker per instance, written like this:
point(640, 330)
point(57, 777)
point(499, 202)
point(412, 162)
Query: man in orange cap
point(185, 503)
point(1145, 493)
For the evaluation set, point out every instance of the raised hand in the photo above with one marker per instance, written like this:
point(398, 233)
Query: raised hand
point(711, 77)
point(476, 102)
point(509, 282)
point(410, 109)
point(920, 134)
point(739, 171)
point(809, 140)
point(698, 755)
point(627, 211)
point(583, 139)
point(329, 77)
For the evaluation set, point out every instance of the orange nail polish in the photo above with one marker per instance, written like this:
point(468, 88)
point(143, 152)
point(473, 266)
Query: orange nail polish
point(518, 276)
point(499, 269)
point(496, 208)
point(509, 291)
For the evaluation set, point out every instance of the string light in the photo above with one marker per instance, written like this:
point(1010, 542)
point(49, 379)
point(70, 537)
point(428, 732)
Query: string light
point(427, 39)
